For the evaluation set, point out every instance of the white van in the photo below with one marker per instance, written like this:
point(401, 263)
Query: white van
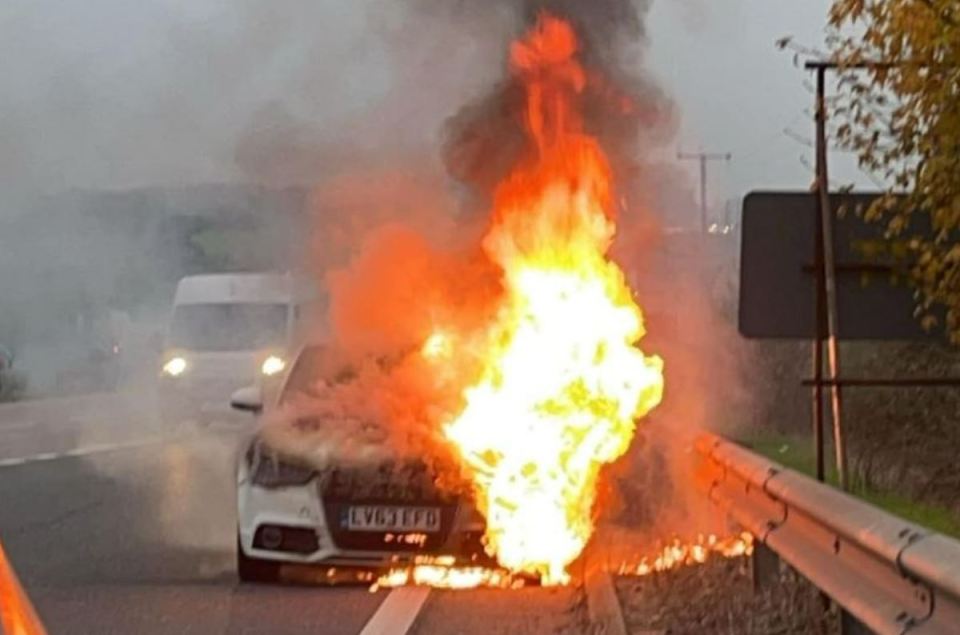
point(227, 331)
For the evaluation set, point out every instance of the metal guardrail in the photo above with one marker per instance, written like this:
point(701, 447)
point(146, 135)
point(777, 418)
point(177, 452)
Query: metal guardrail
point(891, 575)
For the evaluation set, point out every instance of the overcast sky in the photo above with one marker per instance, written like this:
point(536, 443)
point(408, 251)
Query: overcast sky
point(116, 93)
point(738, 92)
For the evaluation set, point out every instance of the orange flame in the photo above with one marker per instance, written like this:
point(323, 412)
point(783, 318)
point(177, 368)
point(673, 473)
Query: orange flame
point(17, 615)
point(562, 381)
point(443, 572)
point(678, 554)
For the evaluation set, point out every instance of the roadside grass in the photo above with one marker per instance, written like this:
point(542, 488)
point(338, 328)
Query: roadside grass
point(797, 454)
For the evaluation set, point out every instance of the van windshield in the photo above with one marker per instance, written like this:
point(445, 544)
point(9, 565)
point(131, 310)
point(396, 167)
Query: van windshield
point(228, 327)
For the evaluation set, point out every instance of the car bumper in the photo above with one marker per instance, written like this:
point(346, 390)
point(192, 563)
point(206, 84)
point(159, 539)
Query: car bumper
point(300, 508)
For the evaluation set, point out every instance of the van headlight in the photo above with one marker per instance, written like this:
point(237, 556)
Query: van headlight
point(272, 365)
point(175, 366)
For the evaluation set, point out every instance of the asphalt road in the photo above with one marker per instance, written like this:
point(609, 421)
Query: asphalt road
point(117, 525)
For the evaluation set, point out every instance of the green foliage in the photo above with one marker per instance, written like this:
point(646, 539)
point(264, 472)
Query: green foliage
point(902, 118)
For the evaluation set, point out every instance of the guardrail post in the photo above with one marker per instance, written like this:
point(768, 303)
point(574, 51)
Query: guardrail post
point(765, 566)
point(849, 625)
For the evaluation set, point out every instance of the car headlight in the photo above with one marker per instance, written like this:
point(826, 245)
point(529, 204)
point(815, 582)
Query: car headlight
point(274, 472)
point(272, 365)
point(175, 366)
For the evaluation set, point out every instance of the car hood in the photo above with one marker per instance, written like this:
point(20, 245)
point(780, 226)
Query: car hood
point(367, 469)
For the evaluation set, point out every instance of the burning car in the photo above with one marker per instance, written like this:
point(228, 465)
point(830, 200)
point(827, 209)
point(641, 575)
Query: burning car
point(353, 505)
point(530, 371)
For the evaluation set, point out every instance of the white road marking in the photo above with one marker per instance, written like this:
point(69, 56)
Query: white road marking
point(91, 449)
point(81, 451)
point(397, 613)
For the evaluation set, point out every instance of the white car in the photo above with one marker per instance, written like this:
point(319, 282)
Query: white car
point(366, 516)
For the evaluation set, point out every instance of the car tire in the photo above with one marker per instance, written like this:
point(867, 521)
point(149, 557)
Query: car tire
point(254, 569)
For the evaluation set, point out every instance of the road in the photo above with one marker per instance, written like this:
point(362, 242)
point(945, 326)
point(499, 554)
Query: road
point(116, 525)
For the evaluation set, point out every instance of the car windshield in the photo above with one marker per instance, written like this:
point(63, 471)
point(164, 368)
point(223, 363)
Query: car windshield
point(314, 363)
point(228, 327)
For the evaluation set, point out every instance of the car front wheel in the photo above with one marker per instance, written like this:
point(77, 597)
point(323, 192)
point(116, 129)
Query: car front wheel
point(254, 569)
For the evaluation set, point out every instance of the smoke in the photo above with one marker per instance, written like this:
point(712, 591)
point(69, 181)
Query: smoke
point(482, 137)
point(623, 107)
point(680, 279)
point(151, 120)
point(396, 244)
point(416, 267)
point(400, 117)
point(117, 95)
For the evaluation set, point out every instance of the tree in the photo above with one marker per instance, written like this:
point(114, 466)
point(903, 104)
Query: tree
point(902, 118)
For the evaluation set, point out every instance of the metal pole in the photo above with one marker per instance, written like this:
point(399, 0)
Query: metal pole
point(765, 567)
point(830, 280)
point(703, 158)
point(703, 193)
point(817, 348)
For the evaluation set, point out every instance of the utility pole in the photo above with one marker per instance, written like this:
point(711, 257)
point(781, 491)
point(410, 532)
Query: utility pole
point(703, 158)
point(827, 289)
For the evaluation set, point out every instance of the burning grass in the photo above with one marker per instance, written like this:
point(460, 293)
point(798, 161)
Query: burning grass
point(443, 571)
point(676, 554)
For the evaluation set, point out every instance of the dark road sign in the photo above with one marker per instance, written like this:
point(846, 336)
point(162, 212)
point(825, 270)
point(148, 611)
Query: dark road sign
point(777, 281)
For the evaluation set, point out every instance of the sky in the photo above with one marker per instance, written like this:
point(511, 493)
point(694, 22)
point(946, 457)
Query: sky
point(739, 93)
point(117, 94)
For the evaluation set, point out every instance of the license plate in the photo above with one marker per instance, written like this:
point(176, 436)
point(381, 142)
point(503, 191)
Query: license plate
point(386, 518)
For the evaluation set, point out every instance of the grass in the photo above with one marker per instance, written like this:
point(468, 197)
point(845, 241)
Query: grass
point(797, 454)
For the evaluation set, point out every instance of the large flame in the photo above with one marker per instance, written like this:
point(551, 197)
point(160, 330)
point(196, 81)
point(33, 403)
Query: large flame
point(562, 380)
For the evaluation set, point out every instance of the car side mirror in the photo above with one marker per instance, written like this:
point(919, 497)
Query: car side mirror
point(247, 399)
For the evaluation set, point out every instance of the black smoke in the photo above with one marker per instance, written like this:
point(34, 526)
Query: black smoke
point(623, 106)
